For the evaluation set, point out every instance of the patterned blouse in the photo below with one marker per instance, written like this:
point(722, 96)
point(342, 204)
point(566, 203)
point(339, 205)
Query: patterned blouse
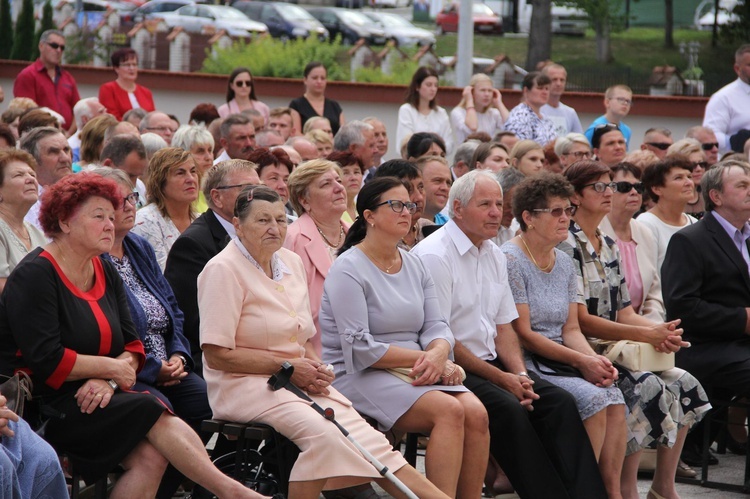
point(525, 123)
point(601, 279)
point(159, 231)
point(158, 319)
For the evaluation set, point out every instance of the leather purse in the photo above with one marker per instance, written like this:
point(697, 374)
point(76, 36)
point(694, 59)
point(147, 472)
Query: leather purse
point(634, 355)
point(17, 390)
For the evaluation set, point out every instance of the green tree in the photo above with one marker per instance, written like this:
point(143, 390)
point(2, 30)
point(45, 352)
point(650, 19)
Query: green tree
point(737, 31)
point(605, 17)
point(23, 39)
point(47, 23)
point(6, 29)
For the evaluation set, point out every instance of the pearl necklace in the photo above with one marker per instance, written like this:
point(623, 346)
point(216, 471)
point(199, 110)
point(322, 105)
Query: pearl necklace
point(325, 239)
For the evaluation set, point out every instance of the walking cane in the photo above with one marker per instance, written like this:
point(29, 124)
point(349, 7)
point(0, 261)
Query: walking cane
point(282, 380)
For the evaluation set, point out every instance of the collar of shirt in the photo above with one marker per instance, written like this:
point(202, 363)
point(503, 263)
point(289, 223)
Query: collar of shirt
point(743, 86)
point(278, 268)
point(732, 230)
point(228, 226)
point(461, 240)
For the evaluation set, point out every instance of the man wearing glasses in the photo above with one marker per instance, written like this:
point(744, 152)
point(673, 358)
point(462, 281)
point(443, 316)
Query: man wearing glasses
point(657, 140)
point(160, 124)
point(45, 82)
point(127, 153)
point(708, 140)
point(617, 102)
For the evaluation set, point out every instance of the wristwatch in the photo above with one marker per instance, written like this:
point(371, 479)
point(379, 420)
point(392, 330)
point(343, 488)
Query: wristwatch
point(525, 374)
point(184, 362)
point(113, 384)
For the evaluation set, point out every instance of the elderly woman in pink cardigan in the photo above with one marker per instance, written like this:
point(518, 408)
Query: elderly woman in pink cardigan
point(319, 197)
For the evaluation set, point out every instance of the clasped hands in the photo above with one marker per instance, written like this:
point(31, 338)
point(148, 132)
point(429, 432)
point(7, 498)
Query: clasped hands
point(311, 376)
point(96, 392)
point(433, 366)
point(598, 370)
point(666, 337)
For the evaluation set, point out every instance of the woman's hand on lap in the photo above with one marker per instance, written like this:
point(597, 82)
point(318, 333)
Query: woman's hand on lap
point(171, 372)
point(123, 373)
point(429, 367)
point(94, 393)
point(6, 416)
point(309, 376)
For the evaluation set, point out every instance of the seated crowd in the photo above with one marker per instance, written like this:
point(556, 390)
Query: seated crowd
point(180, 266)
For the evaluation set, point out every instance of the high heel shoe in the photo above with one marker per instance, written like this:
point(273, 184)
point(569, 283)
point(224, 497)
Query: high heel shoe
point(654, 495)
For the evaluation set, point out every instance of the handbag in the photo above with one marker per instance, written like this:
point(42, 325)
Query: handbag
point(634, 355)
point(17, 390)
point(554, 367)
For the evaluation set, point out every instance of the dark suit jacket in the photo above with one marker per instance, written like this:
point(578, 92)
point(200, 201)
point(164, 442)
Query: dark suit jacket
point(705, 283)
point(200, 242)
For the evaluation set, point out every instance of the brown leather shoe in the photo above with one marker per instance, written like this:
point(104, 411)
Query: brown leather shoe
point(685, 471)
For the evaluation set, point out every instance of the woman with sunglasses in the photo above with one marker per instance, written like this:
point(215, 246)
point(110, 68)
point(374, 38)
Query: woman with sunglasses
point(697, 156)
point(241, 95)
point(661, 407)
point(543, 281)
point(670, 186)
point(391, 347)
point(167, 371)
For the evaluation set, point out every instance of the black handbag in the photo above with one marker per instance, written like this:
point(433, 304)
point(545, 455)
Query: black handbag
point(554, 367)
point(17, 390)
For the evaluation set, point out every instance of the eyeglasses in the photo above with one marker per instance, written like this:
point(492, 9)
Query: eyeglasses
point(56, 46)
point(557, 212)
point(240, 186)
point(602, 186)
point(132, 198)
point(579, 154)
point(625, 187)
point(709, 145)
point(662, 146)
point(398, 206)
point(702, 164)
point(622, 100)
point(243, 83)
point(161, 128)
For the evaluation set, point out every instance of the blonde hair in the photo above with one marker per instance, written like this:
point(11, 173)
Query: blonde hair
point(303, 176)
point(475, 80)
point(685, 147)
point(641, 158)
point(429, 159)
point(522, 148)
point(161, 165)
point(318, 136)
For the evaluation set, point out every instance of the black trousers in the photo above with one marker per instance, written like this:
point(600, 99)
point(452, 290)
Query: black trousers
point(546, 453)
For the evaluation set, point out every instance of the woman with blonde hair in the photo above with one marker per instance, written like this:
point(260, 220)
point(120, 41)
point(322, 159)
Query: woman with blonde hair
point(481, 109)
point(527, 157)
point(697, 156)
point(318, 123)
point(172, 188)
point(92, 140)
point(322, 141)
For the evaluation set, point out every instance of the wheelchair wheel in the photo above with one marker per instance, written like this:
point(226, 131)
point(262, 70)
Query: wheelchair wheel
point(258, 476)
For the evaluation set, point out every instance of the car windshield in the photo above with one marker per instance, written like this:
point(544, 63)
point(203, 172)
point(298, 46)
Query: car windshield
point(394, 21)
point(221, 12)
point(354, 18)
point(292, 12)
point(480, 9)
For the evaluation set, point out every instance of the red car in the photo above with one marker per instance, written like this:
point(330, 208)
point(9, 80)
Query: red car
point(485, 20)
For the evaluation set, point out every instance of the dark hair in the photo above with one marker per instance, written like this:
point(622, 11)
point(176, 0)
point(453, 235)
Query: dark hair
point(264, 157)
point(346, 158)
point(61, 199)
point(483, 151)
point(656, 174)
point(123, 54)
point(535, 191)
point(204, 112)
point(35, 118)
point(399, 168)
point(7, 134)
point(367, 199)
point(480, 136)
point(584, 172)
point(420, 142)
point(312, 65)
point(626, 167)
point(535, 78)
point(600, 131)
point(412, 93)
point(119, 148)
point(247, 195)
point(234, 74)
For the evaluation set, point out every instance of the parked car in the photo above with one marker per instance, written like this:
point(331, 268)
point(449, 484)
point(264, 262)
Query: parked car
point(485, 20)
point(150, 10)
point(93, 10)
point(390, 3)
point(284, 20)
point(399, 29)
point(351, 25)
point(705, 13)
point(194, 17)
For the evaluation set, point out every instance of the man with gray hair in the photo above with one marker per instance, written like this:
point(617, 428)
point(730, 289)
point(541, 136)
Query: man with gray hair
point(52, 154)
point(708, 140)
point(358, 138)
point(83, 111)
point(534, 425)
point(268, 138)
point(46, 82)
point(462, 158)
point(705, 283)
point(204, 239)
point(160, 124)
point(237, 138)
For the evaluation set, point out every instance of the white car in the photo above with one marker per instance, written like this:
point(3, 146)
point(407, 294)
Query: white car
point(389, 3)
point(399, 29)
point(194, 17)
point(704, 14)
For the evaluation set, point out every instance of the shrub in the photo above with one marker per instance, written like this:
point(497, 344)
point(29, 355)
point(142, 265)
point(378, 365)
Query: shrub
point(23, 41)
point(47, 23)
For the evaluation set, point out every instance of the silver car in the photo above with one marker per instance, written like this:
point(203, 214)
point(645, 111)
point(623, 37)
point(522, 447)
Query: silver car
point(194, 17)
point(399, 29)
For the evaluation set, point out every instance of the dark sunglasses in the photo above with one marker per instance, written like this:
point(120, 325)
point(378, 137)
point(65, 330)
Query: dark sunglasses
point(626, 187)
point(557, 212)
point(56, 46)
point(662, 146)
point(709, 145)
point(398, 206)
point(702, 164)
point(243, 83)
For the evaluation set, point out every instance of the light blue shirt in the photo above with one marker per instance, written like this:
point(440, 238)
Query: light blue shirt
point(739, 238)
point(601, 120)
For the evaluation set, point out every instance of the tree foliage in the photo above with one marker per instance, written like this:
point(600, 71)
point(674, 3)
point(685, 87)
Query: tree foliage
point(605, 17)
point(23, 39)
point(6, 29)
point(737, 31)
point(47, 23)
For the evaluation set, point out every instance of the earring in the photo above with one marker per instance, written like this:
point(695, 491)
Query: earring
point(372, 225)
point(531, 226)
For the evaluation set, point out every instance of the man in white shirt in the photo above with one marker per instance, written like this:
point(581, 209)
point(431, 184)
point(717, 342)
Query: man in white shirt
point(534, 426)
point(237, 138)
point(564, 117)
point(727, 110)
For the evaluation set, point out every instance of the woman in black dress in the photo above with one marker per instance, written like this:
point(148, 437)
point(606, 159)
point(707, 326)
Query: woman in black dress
point(64, 318)
point(313, 102)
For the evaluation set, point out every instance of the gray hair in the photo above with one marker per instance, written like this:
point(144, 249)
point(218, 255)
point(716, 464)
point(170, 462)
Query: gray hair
point(115, 174)
point(45, 35)
point(30, 140)
point(83, 109)
point(564, 144)
point(309, 124)
point(153, 143)
point(230, 121)
point(463, 188)
point(120, 147)
point(216, 174)
point(713, 179)
point(465, 152)
point(145, 123)
point(137, 112)
point(692, 132)
point(262, 137)
point(351, 134)
point(188, 136)
point(509, 178)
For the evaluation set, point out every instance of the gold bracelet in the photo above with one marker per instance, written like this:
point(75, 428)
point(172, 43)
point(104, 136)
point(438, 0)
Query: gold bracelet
point(447, 375)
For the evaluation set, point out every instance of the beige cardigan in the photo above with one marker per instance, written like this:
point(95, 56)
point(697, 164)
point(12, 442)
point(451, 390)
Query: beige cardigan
point(646, 254)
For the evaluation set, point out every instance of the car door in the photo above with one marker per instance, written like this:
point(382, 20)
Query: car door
point(204, 17)
point(271, 18)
